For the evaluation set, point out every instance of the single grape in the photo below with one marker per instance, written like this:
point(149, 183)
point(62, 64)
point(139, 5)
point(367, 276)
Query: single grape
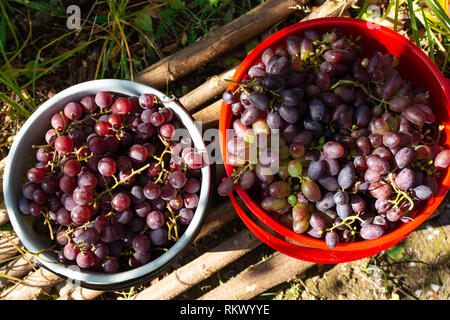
point(358, 203)
point(158, 236)
point(300, 218)
point(73, 110)
point(64, 144)
point(103, 99)
point(35, 174)
point(120, 201)
point(331, 239)
point(124, 217)
point(59, 122)
point(97, 145)
point(168, 192)
point(311, 191)
point(121, 106)
point(141, 242)
point(86, 179)
point(107, 166)
point(247, 181)
point(177, 179)
point(333, 150)
point(71, 251)
point(346, 177)
point(405, 179)
point(152, 191)
point(316, 170)
point(110, 266)
point(88, 104)
point(82, 195)
point(138, 153)
point(72, 168)
point(167, 130)
point(380, 189)
point(80, 215)
point(422, 192)
point(442, 159)
point(371, 231)
point(279, 189)
point(341, 197)
point(190, 200)
point(295, 168)
point(404, 157)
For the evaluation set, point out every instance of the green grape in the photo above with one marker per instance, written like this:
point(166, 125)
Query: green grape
point(295, 168)
point(273, 204)
point(292, 199)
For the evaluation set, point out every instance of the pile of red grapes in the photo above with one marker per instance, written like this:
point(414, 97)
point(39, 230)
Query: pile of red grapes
point(332, 142)
point(113, 186)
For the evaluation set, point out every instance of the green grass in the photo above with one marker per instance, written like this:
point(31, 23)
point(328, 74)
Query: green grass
point(430, 27)
point(126, 35)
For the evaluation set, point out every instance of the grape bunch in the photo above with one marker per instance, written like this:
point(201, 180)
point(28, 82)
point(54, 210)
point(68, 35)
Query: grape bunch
point(331, 142)
point(113, 186)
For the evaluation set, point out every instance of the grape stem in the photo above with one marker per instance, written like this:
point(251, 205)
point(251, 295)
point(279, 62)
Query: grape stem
point(237, 177)
point(172, 225)
point(251, 84)
point(346, 221)
point(355, 84)
point(47, 222)
point(401, 195)
point(117, 183)
point(36, 254)
point(356, 187)
point(431, 140)
point(37, 146)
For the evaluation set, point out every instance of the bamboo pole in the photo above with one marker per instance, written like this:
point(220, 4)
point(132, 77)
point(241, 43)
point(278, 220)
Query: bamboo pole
point(217, 42)
point(201, 268)
point(259, 278)
point(33, 286)
point(209, 90)
point(17, 268)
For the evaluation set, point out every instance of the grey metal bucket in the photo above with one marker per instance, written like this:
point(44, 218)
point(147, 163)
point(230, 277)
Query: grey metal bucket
point(21, 157)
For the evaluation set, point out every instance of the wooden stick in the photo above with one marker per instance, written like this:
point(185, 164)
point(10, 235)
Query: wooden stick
point(216, 218)
point(210, 89)
point(4, 218)
point(34, 286)
point(16, 268)
point(201, 268)
point(209, 116)
point(334, 8)
point(8, 245)
point(69, 291)
point(259, 278)
point(216, 43)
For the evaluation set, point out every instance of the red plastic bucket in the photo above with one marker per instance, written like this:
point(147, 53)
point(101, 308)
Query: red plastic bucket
point(415, 66)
